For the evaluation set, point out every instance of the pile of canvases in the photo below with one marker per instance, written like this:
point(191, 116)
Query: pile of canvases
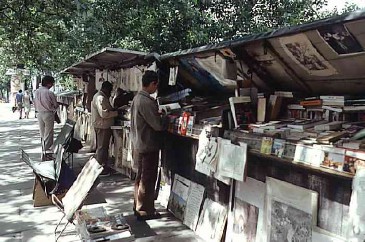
point(269, 210)
point(258, 211)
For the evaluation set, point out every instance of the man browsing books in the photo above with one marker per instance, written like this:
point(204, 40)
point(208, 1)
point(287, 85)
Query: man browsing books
point(146, 124)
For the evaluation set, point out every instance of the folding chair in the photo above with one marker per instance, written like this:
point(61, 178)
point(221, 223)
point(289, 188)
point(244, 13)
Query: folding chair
point(53, 176)
point(66, 139)
point(77, 193)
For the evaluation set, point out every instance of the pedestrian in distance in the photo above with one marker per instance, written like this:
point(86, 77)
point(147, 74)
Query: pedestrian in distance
point(19, 99)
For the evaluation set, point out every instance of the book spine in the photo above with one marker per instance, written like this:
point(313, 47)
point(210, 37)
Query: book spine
point(317, 102)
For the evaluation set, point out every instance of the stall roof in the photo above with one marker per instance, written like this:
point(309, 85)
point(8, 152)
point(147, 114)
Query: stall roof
point(357, 15)
point(108, 58)
point(322, 57)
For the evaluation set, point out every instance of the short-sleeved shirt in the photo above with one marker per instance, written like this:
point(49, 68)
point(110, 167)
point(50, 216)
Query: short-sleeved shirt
point(45, 100)
point(19, 97)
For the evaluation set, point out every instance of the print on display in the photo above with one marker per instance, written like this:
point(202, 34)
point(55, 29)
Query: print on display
point(245, 218)
point(299, 48)
point(289, 223)
point(340, 39)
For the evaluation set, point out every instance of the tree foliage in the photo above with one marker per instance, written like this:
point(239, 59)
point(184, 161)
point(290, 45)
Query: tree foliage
point(49, 35)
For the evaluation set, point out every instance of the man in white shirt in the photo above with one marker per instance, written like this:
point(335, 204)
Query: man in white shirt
point(102, 117)
point(46, 104)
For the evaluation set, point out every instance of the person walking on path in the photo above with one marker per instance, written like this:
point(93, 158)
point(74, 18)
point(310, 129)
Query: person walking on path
point(19, 98)
point(102, 117)
point(146, 122)
point(27, 103)
point(46, 104)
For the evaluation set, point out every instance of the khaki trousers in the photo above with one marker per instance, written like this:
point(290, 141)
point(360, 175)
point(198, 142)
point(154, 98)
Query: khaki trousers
point(102, 145)
point(144, 186)
point(46, 128)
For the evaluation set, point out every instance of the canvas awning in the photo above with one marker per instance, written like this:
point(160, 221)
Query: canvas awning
point(108, 58)
point(322, 57)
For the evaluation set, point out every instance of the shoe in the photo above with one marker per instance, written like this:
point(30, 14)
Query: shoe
point(155, 215)
point(105, 173)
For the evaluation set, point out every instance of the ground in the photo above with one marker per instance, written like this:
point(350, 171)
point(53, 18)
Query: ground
point(20, 221)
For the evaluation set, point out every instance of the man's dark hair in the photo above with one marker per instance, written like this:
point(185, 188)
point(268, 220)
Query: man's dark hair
point(20, 91)
point(149, 77)
point(47, 80)
point(107, 86)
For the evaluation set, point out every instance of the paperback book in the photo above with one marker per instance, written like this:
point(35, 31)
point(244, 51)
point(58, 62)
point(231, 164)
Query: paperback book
point(266, 145)
point(278, 147)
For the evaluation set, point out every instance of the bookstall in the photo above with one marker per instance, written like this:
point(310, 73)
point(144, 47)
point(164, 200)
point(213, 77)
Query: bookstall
point(124, 69)
point(265, 134)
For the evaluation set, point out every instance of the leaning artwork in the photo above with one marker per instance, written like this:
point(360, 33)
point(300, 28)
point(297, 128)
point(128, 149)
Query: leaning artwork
point(245, 219)
point(291, 212)
point(289, 224)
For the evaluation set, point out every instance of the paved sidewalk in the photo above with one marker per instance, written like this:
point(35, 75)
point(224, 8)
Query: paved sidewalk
point(20, 221)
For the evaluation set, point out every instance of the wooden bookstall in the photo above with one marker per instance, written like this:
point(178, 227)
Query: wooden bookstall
point(270, 63)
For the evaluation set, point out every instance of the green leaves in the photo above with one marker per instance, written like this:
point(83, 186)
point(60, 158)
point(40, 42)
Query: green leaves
point(49, 35)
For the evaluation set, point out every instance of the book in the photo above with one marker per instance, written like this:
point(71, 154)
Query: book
point(274, 106)
point(354, 108)
point(308, 154)
point(278, 147)
point(355, 145)
point(354, 160)
point(334, 157)
point(261, 109)
point(189, 130)
point(334, 109)
point(266, 145)
point(335, 125)
point(296, 107)
point(289, 150)
point(332, 97)
point(237, 109)
point(315, 102)
point(331, 137)
point(284, 94)
point(305, 124)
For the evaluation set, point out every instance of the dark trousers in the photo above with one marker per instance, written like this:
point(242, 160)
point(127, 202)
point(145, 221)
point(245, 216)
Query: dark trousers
point(102, 146)
point(144, 187)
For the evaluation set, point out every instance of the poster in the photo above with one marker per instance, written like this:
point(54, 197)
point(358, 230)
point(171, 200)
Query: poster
point(165, 189)
point(179, 196)
point(173, 75)
point(185, 200)
point(339, 38)
point(207, 154)
point(100, 77)
point(16, 84)
point(195, 199)
point(291, 212)
point(212, 221)
point(232, 159)
point(299, 48)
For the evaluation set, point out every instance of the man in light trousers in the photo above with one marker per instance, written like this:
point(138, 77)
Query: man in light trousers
point(46, 104)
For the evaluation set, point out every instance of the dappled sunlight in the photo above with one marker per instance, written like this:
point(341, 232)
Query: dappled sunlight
point(21, 221)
